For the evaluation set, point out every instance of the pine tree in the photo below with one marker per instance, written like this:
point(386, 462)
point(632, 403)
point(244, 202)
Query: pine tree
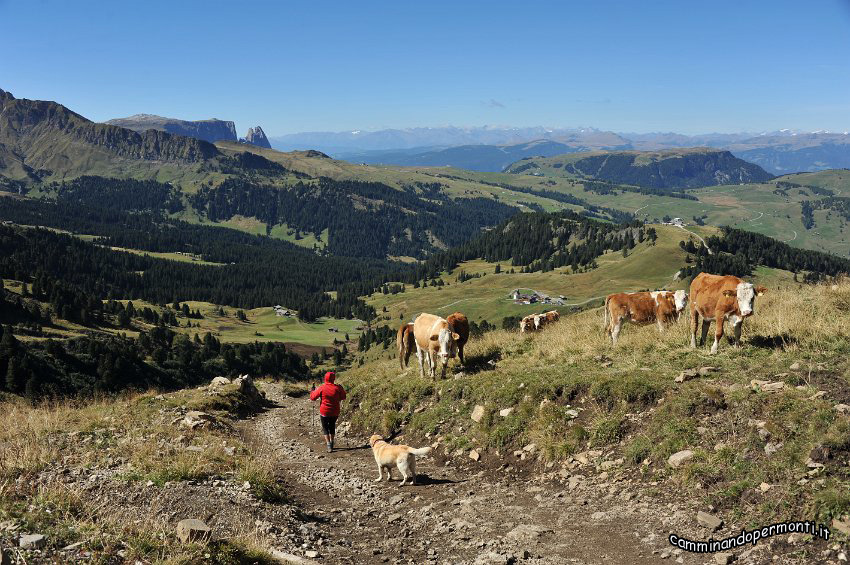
point(14, 375)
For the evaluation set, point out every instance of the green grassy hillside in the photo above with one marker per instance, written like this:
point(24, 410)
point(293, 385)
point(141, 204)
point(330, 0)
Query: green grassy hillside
point(670, 169)
point(757, 456)
point(487, 298)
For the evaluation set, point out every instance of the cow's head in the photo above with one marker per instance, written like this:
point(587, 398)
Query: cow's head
point(526, 324)
point(539, 320)
point(447, 340)
point(745, 295)
point(680, 298)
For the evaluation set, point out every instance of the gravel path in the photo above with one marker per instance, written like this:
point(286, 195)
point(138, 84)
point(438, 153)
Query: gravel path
point(462, 512)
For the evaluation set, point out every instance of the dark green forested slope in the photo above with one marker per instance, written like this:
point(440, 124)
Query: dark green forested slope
point(682, 168)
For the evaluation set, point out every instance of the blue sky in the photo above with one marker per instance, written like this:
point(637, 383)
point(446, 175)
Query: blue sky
point(679, 66)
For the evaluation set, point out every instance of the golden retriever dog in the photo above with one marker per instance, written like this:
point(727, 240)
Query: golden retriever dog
point(402, 456)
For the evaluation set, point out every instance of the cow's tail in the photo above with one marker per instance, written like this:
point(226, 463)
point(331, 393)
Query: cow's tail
point(605, 314)
point(401, 343)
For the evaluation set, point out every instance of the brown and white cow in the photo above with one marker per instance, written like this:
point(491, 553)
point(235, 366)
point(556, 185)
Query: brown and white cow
point(459, 325)
point(536, 322)
point(527, 324)
point(660, 306)
point(719, 298)
point(434, 340)
point(405, 344)
point(547, 318)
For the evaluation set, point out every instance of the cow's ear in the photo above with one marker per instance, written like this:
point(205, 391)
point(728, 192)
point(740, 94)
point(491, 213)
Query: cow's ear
point(729, 293)
point(455, 336)
point(433, 338)
point(760, 290)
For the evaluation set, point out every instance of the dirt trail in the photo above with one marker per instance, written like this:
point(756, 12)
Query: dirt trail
point(459, 512)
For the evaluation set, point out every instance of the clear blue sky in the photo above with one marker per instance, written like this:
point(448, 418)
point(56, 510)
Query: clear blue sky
point(325, 66)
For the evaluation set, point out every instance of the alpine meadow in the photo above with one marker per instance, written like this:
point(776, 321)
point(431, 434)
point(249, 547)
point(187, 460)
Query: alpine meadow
point(435, 284)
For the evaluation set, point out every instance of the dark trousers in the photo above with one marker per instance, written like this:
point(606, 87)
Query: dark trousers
point(328, 424)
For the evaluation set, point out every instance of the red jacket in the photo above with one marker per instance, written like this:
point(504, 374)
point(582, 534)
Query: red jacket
point(332, 394)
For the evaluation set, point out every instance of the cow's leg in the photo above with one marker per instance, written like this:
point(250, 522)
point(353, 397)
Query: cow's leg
point(616, 326)
point(694, 326)
point(432, 361)
point(718, 333)
point(660, 324)
point(705, 325)
point(443, 370)
point(737, 328)
point(419, 355)
point(460, 355)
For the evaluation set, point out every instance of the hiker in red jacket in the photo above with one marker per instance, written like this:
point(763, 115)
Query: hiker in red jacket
point(331, 395)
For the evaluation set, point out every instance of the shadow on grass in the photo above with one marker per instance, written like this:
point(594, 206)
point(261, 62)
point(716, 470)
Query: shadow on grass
point(479, 363)
point(780, 341)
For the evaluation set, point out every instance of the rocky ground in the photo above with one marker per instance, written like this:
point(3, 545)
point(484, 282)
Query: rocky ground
point(468, 512)
point(467, 508)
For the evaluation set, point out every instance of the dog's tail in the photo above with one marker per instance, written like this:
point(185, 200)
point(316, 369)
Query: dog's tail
point(420, 451)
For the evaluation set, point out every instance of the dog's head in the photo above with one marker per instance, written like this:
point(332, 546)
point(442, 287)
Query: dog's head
point(374, 439)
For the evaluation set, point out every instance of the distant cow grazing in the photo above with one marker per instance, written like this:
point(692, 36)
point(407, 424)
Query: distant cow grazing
point(719, 298)
point(404, 342)
point(434, 340)
point(660, 306)
point(551, 317)
point(527, 324)
point(459, 325)
point(536, 322)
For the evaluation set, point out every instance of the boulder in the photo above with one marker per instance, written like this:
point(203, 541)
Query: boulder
point(687, 375)
point(530, 448)
point(220, 381)
point(772, 447)
point(842, 526)
point(842, 408)
point(679, 458)
point(724, 558)
point(477, 413)
point(608, 465)
point(709, 521)
point(286, 558)
point(797, 537)
point(764, 487)
point(505, 412)
point(766, 386)
point(311, 553)
point(194, 419)
point(32, 541)
point(192, 530)
point(474, 455)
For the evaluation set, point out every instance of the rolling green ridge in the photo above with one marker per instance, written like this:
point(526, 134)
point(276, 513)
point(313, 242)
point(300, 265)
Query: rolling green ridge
point(676, 168)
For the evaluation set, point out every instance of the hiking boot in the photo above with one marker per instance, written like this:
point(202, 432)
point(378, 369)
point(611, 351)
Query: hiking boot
point(330, 448)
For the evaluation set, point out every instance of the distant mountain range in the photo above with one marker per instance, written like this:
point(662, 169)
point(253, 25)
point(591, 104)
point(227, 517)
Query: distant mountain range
point(40, 139)
point(208, 130)
point(441, 137)
point(492, 148)
point(471, 157)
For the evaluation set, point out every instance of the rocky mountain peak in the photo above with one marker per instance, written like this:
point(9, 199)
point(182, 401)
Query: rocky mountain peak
point(256, 136)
